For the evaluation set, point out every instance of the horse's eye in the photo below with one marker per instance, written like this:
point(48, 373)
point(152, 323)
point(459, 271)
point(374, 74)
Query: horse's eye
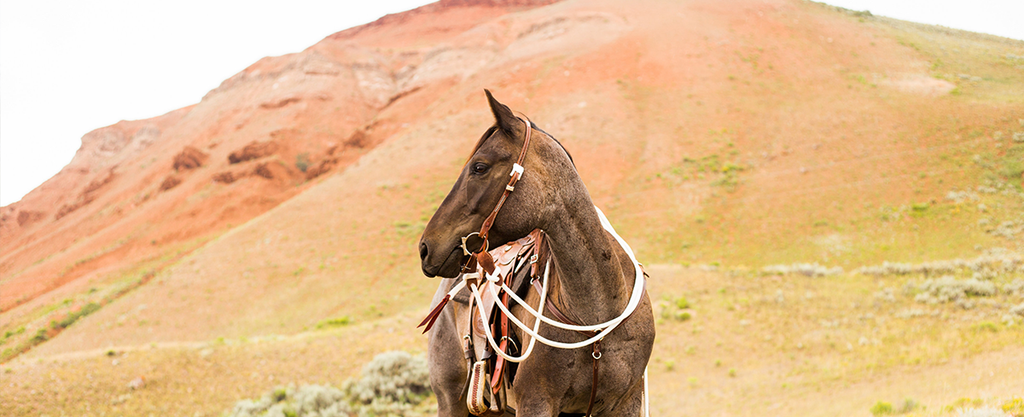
point(480, 168)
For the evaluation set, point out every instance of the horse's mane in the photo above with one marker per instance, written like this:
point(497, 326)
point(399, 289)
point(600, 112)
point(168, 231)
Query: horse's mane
point(490, 131)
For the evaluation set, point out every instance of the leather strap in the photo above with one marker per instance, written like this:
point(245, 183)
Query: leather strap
point(499, 365)
point(596, 354)
point(596, 347)
point(486, 227)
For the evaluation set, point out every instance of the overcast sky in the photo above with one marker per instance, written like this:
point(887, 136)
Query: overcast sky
point(68, 67)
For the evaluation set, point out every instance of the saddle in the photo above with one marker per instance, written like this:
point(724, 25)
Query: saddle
point(490, 375)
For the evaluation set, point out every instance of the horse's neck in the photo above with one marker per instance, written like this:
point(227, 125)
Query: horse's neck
point(591, 279)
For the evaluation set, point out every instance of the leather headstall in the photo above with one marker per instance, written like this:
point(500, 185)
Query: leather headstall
point(481, 256)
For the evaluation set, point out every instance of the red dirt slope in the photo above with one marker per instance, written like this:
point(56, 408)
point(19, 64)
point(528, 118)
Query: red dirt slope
point(136, 188)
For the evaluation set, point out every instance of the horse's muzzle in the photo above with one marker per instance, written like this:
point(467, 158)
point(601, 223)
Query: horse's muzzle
point(447, 268)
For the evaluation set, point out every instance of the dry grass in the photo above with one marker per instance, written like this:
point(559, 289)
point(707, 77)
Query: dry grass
point(828, 343)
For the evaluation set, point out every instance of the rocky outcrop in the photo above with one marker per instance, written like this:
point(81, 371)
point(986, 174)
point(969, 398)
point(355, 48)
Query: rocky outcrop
point(27, 217)
point(189, 158)
point(254, 150)
point(226, 177)
point(87, 196)
point(278, 103)
point(169, 182)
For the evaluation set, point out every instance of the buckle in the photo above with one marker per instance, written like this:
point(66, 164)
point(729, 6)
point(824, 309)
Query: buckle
point(533, 259)
point(517, 168)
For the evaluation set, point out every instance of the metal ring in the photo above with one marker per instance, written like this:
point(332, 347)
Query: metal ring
point(596, 355)
point(465, 251)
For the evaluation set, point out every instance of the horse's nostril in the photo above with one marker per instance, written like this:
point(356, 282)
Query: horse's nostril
point(423, 251)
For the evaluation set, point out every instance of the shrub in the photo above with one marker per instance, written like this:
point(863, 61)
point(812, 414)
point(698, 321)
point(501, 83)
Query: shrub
point(1014, 407)
point(1017, 310)
point(393, 376)
point(882, 408)
point(947, 288)
point(908, 405)
point(71, 318)
point(994, 261)
point(308, 400)
point(1013, 169)
point(1015, 288)
point(885, 294)
point(390, 385)
point(986, 326)
point(962, 404)
point(961, 196)
point(320, 400)
point(40, 337)
point(302, 161)
point(678, 310)
point(980, 412)
point(8, 334)
point(810, 270)
point(335, 322)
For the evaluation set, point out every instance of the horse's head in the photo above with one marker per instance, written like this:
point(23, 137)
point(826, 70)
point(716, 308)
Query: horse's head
point(548, 171)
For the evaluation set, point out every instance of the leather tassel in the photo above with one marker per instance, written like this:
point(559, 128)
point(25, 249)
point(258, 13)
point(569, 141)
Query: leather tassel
point(434, 314)
point(486, 261)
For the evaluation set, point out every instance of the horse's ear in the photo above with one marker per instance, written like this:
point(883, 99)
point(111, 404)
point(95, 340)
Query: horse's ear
point(503, 117)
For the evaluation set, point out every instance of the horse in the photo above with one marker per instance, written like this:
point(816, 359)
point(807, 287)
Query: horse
point(592, 276)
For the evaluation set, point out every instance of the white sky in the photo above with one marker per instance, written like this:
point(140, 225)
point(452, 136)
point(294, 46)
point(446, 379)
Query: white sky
point(996, 17)
point(68, 67)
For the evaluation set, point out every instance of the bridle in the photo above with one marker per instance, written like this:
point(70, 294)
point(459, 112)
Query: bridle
point(481, 256)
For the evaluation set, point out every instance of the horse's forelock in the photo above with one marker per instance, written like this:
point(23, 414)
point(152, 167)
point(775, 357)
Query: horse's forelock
point(490, 131)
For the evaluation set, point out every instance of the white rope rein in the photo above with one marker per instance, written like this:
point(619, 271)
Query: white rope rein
point(603, 328)
point(538, 314)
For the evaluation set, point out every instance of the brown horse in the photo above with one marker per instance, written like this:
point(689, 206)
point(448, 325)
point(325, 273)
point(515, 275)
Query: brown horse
point(592, 278)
